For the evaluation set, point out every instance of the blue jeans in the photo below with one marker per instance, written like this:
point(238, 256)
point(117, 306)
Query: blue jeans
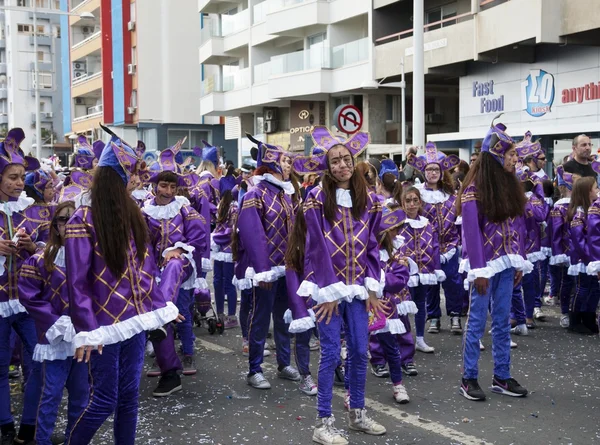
point(531, 289)
point(587, 293)
point(453, 291)
point(497, 298)
point(24, 326)
point(222, 281)
point(419, 296)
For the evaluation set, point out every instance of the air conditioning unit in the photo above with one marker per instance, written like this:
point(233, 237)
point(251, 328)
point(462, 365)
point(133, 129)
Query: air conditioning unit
point(86, 30)
point(79, 65)
point(131, 110)
point(49, 114)
point(78, 73)
point(131, 68)
point(270, 114)
point(270, 126)
point(131, 25)
point(434, 118)
point(79, 101)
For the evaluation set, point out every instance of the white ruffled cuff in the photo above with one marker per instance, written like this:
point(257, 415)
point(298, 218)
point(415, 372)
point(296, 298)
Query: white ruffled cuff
point(413, 268)
point(413, 281)
point(11, 307)
point(576, 269)
point(560, 260)
point(59, 351)
point(393, 326)
point(242, 283)
point(407, 307)
point(593, 268)
point(431, 278)
point(458, 221)
point(268, 276)
point(178, 245)
point(334, 292)
point(214, 247)
point(445, 257)
point(206, 265)
point(495, 266)
point(534, 257)
point(123, 330)
point(221, 256)
point(2, 263)
point(61, 330)
point(300, 325)
point(547, 251)
point(371, 284)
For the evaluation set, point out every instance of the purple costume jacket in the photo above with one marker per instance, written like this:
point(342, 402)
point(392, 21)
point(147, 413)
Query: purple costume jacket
point(422, 246)
point(579, 243)
point(560, 233)
point(593, 238)
point(210, 188)
point(44, 294)
point(536, 213)
point(489, 247)
point(13, 216)
point(264, 223)
point(440, 209)
point(344, 256)
point(199, 202)
point(79, 181)
point(222, 235)
point(178, 225)
point(106, 309)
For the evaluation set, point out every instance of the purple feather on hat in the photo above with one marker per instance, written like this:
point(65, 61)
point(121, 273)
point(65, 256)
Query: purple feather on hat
point(388, 166)
point(497, 142)
point(120, 157)
point(97, 148)
point(227, 182)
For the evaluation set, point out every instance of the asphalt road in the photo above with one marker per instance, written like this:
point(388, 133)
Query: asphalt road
point(217, 407)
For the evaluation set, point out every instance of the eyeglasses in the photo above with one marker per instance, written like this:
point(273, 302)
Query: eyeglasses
point(432, 170)
point(541, 159)
point(62, 220)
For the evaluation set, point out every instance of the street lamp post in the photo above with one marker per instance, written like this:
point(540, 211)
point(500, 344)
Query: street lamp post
point(36, 73)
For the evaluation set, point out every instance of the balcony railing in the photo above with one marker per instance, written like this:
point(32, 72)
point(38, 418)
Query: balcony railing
point(349, 53)
point(233, 81)
point(230, 24)
point(86, 77)
point(276, 5)
point(94, 111)
point(77, 5)
point(262, 72)
point(87, 39)
point(260, 12)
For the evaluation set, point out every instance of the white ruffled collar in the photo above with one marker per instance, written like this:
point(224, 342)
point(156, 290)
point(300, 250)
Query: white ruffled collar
point(528, 194)
point(139, 194)
point(343, 198)
point(417, 223)
point(384, 255)
point(562, 201)
point(10, 207)
point(389, 201)
point(540, 174)
point(83, 199)
point(168, 211)
point(205, 173)
point(432, 196)
point(286, 186)
point(60, 257)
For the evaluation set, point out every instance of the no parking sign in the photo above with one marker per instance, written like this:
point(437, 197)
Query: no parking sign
point(348, 119)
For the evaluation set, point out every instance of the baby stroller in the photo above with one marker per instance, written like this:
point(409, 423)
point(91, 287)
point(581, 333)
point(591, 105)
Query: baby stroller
point(201, 308)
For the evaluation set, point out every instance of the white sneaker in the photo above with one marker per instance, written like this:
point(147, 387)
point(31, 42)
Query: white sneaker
point(400, 394)
point(344, 351)
point(258, 381)
point(266, 353)
point(423, 347)
point(308, 386)
point(564, 321)
point(326, 434)
point(347, 401)
point(513, 345)
point(550, 301)
point(538, 314)
point(481, 347)
point(359, 421)
point(520, 329)
point(289, 373)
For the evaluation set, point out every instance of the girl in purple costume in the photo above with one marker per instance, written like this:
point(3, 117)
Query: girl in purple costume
point(422, 246)
point(560, 234)
point(43, 292)
point(113, 298)
point(438, 199)
point(342, 218)
point(582, 315)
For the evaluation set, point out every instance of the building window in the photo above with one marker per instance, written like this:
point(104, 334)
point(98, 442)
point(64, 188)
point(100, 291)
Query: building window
point(134, 55)
point(22, 3)
point(134, 103)
point(42, 105)
point(194, 138)
point(441, 13)
point(57, 32)
point(41, 30)
point(132, 12)
point(24, 29)
point(45, 80)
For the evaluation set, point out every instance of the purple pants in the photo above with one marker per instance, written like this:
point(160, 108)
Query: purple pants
point(453, 291)
point(531, 289)
point(419, 296)
point(264, 304)
point(587, 293)
point(302, 352)
point(166, 356)
point(406, 345)
point(115, 386)
point(222, 281)
point(544, 264)
point(391, 351)
point(517, 306)
point(561, 286)
point(245, 300)
point(54, 376)
point(354, 316)
point(184, 328)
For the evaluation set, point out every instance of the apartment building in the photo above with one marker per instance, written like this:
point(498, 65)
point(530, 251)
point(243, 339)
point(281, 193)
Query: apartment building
point(536, 61)
point(17, 58)
point(135, 68)
point(275, 68)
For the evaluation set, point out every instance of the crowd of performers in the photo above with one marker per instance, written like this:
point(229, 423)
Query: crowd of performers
point(98, 265)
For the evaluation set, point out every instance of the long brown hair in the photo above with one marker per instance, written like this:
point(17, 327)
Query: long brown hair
point(499, 193)
point(294, 254)
point(358, 192)
point(223, 208)
point(116, 219)
point(390, 183)
point(406, 191)
point(445, 183)
point(580, 197)
point(54, 242)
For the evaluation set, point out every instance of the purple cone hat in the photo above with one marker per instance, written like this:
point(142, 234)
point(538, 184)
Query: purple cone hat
point(324, 140)
point(433, 156)
point(120, 157)
point(497, 142)
point(269, 155)
point(166, 163)
point(527, 147)
point(208, 153)
point(390, 220)
point(11, 153)
point(388, 166)
point(38, 181)
point(227, 182)
point(564, 178)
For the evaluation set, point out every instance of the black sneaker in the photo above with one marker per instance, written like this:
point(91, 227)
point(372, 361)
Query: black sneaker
point(471, 390)
point(169, 383)
point(339, 376)
point(508, 387)
point(434, 326)
point(58, 439)
point(8, 438)
point(410, 369)
point(380, 371)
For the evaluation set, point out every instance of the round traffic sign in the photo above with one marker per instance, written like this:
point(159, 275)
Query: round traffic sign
point(348, 118)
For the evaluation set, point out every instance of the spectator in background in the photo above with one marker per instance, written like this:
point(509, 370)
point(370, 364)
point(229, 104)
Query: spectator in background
point(582, 152)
